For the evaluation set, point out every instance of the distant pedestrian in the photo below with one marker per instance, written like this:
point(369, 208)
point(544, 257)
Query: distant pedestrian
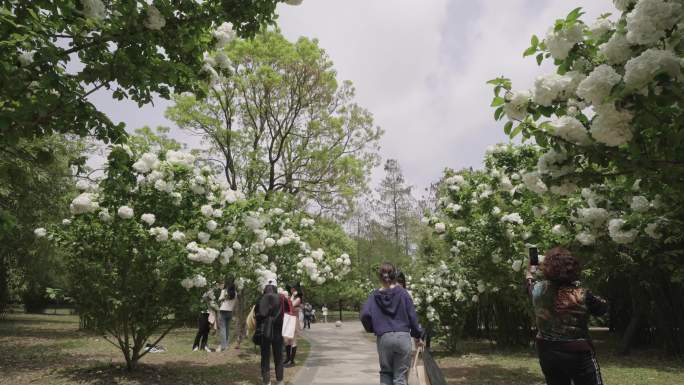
point(308, 315)
point(324, 311)
point(390, 313)
point(227, 300)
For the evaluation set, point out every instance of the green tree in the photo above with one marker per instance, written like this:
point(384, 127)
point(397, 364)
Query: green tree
point(396, 206)
point(280, 122)
point(33, 193)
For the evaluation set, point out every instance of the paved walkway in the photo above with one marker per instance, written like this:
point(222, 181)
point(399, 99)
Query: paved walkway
point(339, 356)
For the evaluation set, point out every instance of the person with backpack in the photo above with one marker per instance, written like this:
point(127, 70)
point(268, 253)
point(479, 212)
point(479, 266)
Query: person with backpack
point(308, 315)
point(268, 336)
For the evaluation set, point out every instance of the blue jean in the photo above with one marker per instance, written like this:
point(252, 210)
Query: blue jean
point(226, 316)
point(394, 352)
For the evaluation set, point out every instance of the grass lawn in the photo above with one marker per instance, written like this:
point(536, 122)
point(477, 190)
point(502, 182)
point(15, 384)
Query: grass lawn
point(482, 364)
point(49, 349)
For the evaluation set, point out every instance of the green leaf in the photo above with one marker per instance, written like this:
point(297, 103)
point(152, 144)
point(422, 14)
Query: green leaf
point(530, 51)
point(498, 101)
point(498, 113)
point(534, 41)
point(517, 131)
point(540, 58)
point(507, 127)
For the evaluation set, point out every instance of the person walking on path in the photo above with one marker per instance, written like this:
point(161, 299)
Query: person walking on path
point(269, 324)
point(227, 301)
point(308, 315)
point(390, 313)
point(562, 308)
point(324, 311)
point(296, 299)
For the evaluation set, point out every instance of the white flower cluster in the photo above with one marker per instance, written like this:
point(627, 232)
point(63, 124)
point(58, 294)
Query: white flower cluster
point(551, 87)
point(593, 216)
point(559, 43)
point(197, 253)
point(610, 126)
point(598, 85)
point(641, 70)
point(197, 281)
point(161, 234)
point(343, 260)
point(552, 163)
point(640, 204)
point(618, 234)
point(125, 212)
point(564, 189)
point(224, 34)
point(571, 130)
point(307, 222)
point(40, 232)
point(455, 182)
point(155, 20)
point(94, 9)
point(514, 218)
point(617, 49)
point(84, 203)
point(533, 182)
point(516, 104)
point(649, 21)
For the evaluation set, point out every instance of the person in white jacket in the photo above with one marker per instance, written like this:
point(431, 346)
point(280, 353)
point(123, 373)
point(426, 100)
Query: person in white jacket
point(227, 300)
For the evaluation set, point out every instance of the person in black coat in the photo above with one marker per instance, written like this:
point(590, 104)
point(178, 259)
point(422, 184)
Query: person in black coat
point(269, 325)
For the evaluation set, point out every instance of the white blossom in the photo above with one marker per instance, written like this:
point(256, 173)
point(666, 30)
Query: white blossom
point(551, 87)
point(178, 236)
point(617, 49)
point(517, 264)
point(516, 105)
point(155, 20)
point(147, 162)
point(564, 189)
point(66, 221)
point(40, 232)
point(639, 204)
point(179, 158)
point(148, 218)
point(84, 203)
point(649, 21)
point(440, 228)
point(610, 126)
point(652, 230)
point(187, 283)
point(224, 34)
point(601, 27)
point(207, 210)
point(125, 212)
point(597, 86)
point(514, 218)
point(94, 9)
point(571, 130)
point(199, 281)
point(559, 43)
point(211, 225)
point(623, 5)
point(641, 70)
point(585, 238)
point(161, 233)
point(594, 216)
point(533, 182)
point(203, 237)
point(559, 230)
point(237, 245)
point(104, 215)
point(618, 234)
point(552, 163)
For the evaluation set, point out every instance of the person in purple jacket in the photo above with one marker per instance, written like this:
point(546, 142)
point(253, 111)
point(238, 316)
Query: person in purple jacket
point(390, 313)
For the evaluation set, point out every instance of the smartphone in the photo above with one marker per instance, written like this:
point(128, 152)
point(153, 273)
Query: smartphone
point(534, 256)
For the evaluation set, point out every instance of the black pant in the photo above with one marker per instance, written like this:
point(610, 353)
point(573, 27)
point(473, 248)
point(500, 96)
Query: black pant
point(276, 344)
point(307, 322)
point(561, 367)
point(202, 331)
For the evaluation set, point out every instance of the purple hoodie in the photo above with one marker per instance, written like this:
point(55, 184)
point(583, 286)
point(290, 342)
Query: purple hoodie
point(390, 310)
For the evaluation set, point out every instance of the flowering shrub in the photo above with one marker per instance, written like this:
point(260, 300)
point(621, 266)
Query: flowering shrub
point(155, 228)
point(609, 124)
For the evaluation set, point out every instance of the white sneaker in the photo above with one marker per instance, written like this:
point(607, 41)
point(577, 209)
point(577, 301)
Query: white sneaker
point(207, 349)
point(195, 349)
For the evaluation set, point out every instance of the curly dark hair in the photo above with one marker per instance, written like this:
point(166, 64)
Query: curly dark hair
point(560, 266)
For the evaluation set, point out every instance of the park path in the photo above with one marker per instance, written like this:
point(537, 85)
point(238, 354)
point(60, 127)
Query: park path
point(339, 356)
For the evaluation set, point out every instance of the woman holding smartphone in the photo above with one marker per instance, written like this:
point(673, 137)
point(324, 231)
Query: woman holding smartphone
point(562, 308)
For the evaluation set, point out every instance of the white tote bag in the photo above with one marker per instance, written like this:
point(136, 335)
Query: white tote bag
point(417, 374)
point(289, 325)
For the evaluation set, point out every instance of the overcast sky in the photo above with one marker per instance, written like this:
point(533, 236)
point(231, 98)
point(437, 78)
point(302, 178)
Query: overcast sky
point(419, 66)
